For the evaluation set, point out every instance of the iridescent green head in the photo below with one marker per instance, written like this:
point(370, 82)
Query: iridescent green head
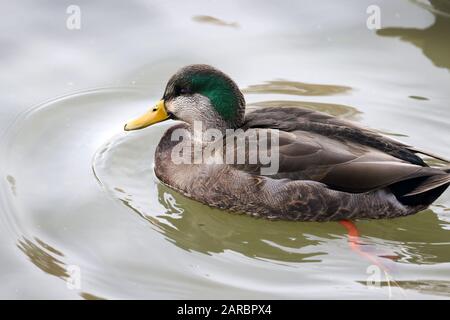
point(201, 92)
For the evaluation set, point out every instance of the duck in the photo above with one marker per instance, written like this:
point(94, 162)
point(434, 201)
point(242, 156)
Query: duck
point(327, 168)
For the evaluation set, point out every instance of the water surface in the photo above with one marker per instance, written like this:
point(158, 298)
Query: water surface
point(78, 192)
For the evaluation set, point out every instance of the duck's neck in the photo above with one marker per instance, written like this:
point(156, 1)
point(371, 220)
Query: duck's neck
point(204, 133)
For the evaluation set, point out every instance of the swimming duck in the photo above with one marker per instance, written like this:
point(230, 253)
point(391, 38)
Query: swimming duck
point(327, 168)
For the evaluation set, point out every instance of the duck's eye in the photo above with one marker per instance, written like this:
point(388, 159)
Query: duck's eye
point(184, 91)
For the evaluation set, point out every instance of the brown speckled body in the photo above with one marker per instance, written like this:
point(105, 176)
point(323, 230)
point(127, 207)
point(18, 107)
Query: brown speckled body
point(330, 170)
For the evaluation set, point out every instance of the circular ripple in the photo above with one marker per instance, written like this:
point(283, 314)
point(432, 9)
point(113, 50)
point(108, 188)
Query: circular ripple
point(78, 191)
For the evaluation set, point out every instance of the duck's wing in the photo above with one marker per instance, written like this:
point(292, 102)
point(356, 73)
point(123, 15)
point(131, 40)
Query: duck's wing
point(314, 146)
point(291, 119)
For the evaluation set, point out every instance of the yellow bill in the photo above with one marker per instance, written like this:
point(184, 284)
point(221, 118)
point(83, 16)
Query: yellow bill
point(154, 115)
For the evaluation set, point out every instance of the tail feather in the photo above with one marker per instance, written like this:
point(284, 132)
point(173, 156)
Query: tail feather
point(421, 191)
point(427, 153)
point(428, 184)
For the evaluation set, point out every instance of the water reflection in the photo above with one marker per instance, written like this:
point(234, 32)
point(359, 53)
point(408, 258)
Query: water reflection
point(196, 227)
point(418, 239)
point(90, 296)
point(214, 21)
point(49, 260)
point(419, 98)
point(433, 40)
point(12, 184)
point(432, 287)
point(302, 89)
point(193, 226)
point(43, 256)
point(296, 88)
